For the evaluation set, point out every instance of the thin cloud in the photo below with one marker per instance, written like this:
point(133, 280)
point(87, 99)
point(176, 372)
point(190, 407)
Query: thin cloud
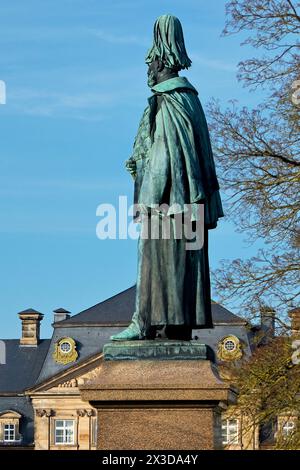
point(114, 38)
point(215, 64)
point(58, 228)
point(57, 99)
point(64, 34)
point(44, 187)
point(89, 106)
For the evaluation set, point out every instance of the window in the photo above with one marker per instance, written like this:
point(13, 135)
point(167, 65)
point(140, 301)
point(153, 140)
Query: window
point(64, 431)
point(229, 345)
point(65, 347)
point(288, 428)
point(9, 427)
point(9, 433)
point(230, 431)
point(94, 431)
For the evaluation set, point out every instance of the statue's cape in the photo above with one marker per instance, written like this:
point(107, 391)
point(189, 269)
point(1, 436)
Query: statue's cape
point(176, 166)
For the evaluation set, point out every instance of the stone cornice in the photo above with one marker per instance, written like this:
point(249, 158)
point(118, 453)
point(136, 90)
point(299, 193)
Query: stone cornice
point(67, 375)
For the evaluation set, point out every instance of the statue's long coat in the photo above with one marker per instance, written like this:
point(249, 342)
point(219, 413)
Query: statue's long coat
point(175, 165)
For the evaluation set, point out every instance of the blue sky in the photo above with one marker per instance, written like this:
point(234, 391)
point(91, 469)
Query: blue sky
point(76, 88)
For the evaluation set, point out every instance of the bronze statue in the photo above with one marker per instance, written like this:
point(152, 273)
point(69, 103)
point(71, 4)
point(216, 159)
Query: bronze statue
point(172, 165)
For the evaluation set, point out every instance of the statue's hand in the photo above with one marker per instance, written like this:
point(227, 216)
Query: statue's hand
point(131, 167)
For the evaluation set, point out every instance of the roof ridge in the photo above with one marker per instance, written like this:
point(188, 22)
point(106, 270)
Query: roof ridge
point(98, 303)
point(118, 309)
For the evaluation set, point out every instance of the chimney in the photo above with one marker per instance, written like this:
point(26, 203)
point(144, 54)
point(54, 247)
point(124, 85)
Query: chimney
point(267, 322)
point(294, 315)
point(30, 327)
point(61, 314)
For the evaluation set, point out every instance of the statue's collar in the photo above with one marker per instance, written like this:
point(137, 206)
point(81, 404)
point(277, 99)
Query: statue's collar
point(173, 84)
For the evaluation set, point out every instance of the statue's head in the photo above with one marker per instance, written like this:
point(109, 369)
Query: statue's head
point(168, 49)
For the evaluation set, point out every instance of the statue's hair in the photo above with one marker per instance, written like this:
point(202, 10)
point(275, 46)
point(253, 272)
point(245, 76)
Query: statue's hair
point(168, 44)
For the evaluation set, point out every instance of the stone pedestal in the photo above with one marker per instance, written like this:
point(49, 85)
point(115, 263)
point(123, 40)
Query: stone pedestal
point(165, 395)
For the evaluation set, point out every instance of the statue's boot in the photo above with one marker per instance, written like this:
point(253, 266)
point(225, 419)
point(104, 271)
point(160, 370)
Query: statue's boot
point(132, 333)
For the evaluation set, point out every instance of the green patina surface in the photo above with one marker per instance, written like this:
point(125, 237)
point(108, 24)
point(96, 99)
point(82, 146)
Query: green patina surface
point(172, 164)
point(159, 350)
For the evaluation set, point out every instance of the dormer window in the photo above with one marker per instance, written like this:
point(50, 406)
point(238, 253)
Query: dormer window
point(9, 427)
point(9, 433)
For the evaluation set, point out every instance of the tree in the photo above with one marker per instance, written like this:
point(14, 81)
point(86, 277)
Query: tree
point(258, 152)
point(269, 385)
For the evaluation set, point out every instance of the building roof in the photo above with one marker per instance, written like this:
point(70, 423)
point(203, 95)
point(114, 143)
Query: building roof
point(23, 365)
point(61, 310)
point(30, 311)
point(118, 310)
point(222, 316)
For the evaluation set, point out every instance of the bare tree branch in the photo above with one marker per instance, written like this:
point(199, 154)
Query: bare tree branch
point(258, 153)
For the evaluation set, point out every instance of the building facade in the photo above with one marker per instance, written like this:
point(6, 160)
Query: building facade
point(40, 403)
